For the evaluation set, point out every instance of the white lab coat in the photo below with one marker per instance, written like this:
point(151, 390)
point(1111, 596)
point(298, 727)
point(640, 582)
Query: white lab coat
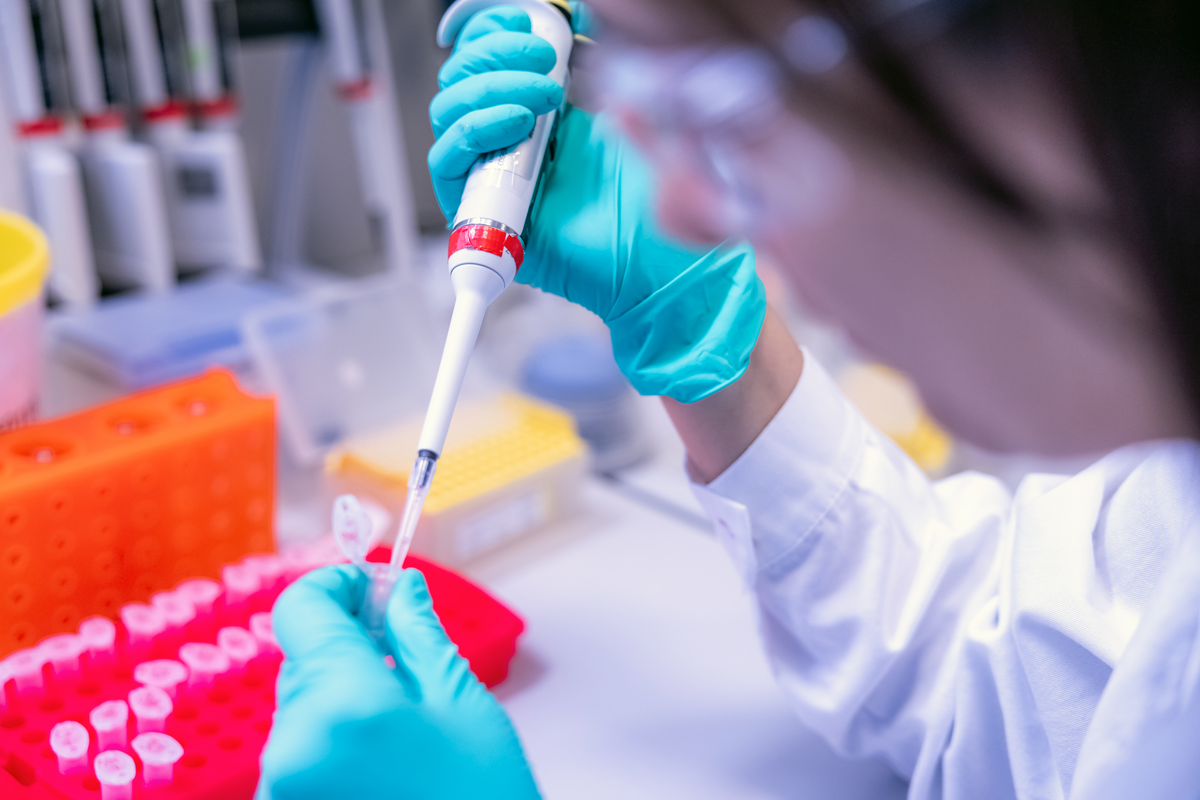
point(1042, 645)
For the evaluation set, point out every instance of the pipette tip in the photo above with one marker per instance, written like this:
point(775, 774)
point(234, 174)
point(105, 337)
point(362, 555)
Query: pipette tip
point(418, 488)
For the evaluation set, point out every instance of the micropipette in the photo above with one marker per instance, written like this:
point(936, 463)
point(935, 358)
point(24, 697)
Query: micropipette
point(485, 248)
point(484, 255)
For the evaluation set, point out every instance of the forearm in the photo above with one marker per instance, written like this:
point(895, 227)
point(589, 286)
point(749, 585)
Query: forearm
point(719, 428)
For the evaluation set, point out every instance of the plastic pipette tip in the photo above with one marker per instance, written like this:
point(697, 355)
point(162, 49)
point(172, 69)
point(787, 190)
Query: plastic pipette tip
point(408, 525)
point(419, 482)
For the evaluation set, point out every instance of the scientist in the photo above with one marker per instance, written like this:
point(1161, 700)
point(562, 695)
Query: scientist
point(1001, 199)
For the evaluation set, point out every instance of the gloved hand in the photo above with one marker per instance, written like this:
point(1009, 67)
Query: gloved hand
point(683, 321)
point(346, 725)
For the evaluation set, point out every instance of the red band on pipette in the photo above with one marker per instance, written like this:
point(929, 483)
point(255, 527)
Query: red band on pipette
point(45, 126)
point(360, 89)
point(489, 240)
point(105, 120)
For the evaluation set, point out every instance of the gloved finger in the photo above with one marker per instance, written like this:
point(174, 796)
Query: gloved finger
point(581, 18)
point(479, 132)
point(451, 157)
point(496, 52)
point(537, 93)
point(497, 18)
point(426, 659)
point(315, 616)
point(328, 719)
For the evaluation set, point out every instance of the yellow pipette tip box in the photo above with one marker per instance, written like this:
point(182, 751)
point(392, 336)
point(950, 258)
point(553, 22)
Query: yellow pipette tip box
point(511, 466)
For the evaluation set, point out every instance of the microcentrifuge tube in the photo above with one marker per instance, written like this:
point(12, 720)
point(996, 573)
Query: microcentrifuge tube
point(109, 720)
point(63, 651)
point(270, 569)
point(69, 740)
point(26, 669)
point(264, 632)
point(115, 771)
point(204, 662)
point(202, 592)
point(150, 706)
point(99, 634)
point(143, 623)
point(241, 583)
point(158, 753)
point(161, 673)
point(176, 609)
point(239, 645)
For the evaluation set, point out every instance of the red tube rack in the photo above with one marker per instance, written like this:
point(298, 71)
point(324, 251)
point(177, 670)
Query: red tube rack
point(222, 729)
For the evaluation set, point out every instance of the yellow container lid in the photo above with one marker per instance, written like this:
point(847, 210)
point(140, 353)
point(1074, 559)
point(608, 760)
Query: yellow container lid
point(24, 261)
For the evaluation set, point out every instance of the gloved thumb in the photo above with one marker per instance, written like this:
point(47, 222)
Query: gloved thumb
point(427, 662)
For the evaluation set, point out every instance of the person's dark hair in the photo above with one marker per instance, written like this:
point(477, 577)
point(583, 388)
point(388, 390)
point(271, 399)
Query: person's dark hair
point(1130, 68)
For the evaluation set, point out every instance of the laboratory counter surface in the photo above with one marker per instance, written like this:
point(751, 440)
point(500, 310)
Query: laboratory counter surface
point(641, 674)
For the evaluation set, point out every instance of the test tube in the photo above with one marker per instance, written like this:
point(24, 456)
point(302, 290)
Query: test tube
point(151, 706)
point(239, 644)
point(26, 669)
point(158, 753)
point(176, 609)
point(202, 592)
point(143, 624)
point(69, 740)
point(264, 632)
point(241, 582)
point(99, 635)
point(270, 568)
point(115, 770)
point(63, 652)
point(109, 719)
point(161, 673)
point(204, 662)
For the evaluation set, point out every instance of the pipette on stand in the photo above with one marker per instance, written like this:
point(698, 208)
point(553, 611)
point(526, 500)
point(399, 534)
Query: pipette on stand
point(485, 253)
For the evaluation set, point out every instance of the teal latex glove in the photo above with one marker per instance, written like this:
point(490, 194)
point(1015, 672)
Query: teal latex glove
point(346, 725)
point(683, 321)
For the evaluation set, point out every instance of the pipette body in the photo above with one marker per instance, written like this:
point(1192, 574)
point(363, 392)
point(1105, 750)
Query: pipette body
point(485, 249)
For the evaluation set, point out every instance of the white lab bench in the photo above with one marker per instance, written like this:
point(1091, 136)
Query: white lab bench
point(640, 673)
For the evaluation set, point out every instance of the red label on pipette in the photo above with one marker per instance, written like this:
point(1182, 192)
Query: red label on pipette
point(489, 240)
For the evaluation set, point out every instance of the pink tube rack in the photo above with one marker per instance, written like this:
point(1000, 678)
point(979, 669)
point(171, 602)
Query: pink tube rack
point(222, 723)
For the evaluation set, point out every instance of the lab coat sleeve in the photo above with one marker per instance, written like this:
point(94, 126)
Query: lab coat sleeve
point(864, 571)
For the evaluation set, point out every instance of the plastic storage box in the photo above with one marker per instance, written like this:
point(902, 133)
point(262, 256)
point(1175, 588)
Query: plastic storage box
point(511, 467)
